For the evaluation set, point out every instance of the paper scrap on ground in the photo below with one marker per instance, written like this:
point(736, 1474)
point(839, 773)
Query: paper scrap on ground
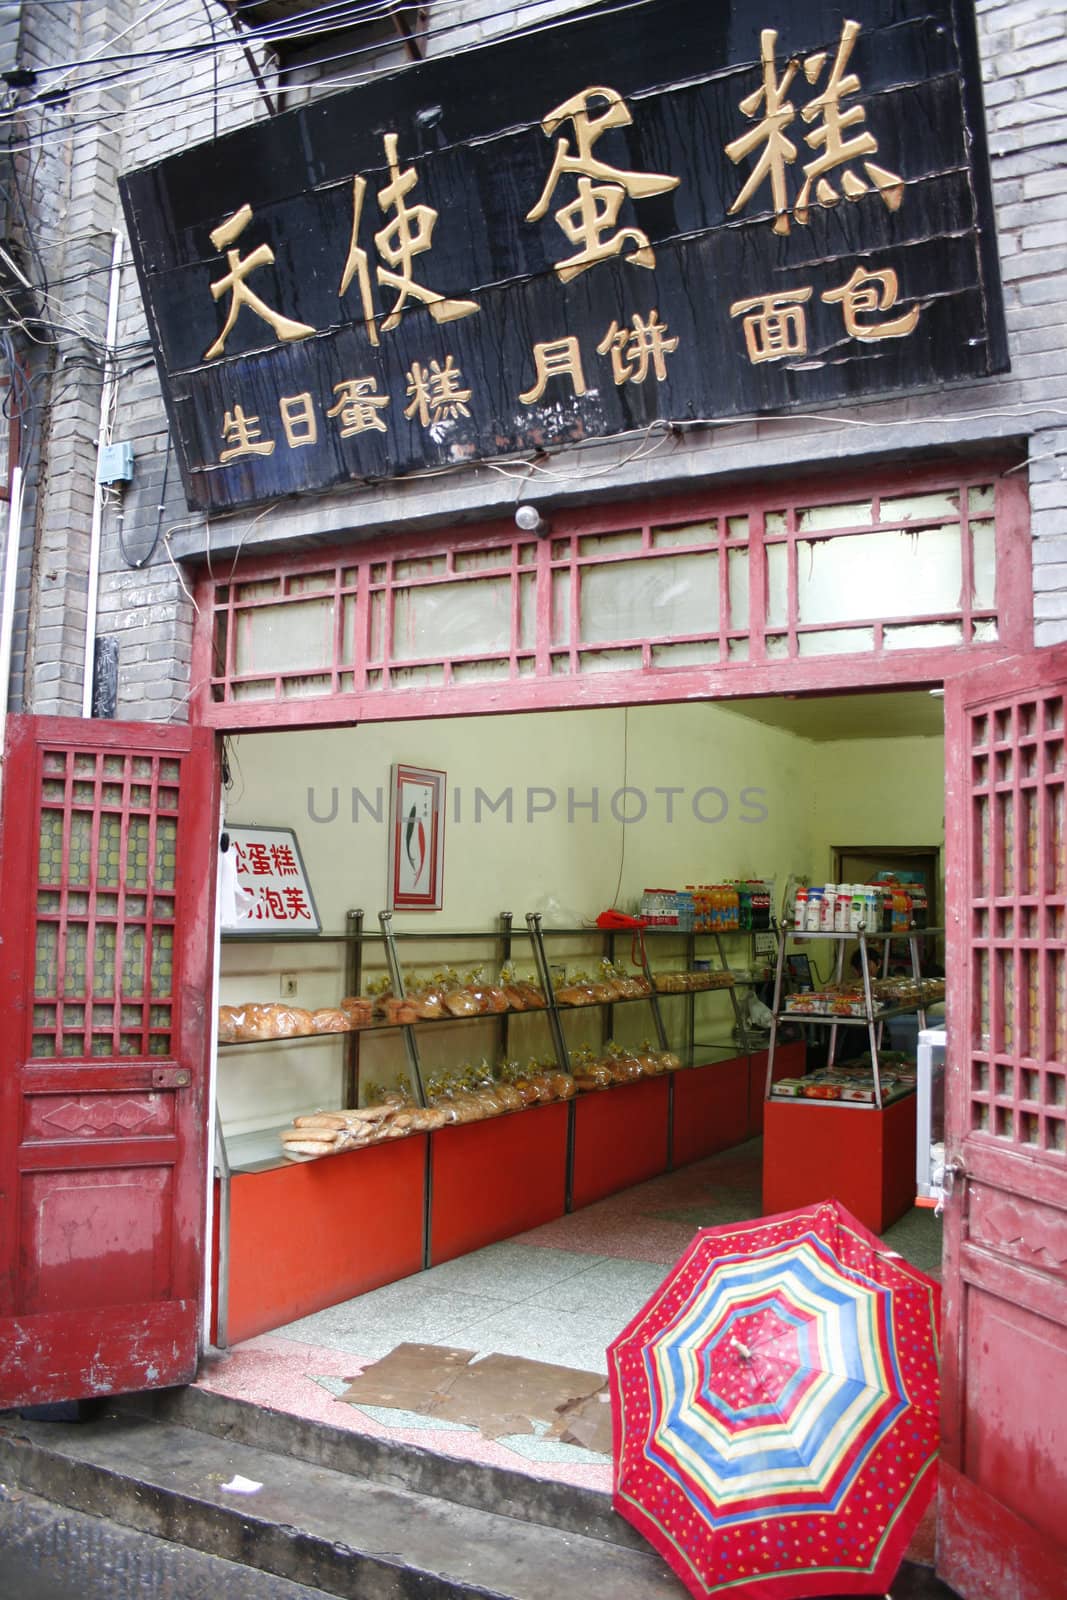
point(498, 1395)
point(239, 1485)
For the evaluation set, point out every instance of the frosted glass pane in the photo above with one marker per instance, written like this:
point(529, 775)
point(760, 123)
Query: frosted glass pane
point(483, 560)
point(527, 610)
point(835, 642)
point(452, 619)
point(609, 661)
point(984, 546)
point(311, 583)
point(423, 567)
point(610, 544)
point(696, 653)
point(656, 598)
point(981, 498)
point(878, 575)
point(561, 607)
point(922, 507)
point(816, 519)
point(985, 632)
point(480, 671)
point(417, 677)
point(692, 533)
point(775, 522)
point(286, 637)
point(737, 567)
point(923, 636)
point(777, 646)
point(737, 527)
point(777, 585)
point(307, 688)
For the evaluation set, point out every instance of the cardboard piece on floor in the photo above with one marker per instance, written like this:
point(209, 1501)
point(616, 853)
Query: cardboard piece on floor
point(409, 1378)
point(586, 1422)
point(498, 1395)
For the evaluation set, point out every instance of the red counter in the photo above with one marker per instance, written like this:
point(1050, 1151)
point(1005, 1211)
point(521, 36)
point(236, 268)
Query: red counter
point(620, 1138)
point(711, 1109)
point(864, 1158)
point(491, 1180)
point(311, 1234)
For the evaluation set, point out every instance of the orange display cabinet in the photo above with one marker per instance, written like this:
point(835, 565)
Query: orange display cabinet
point(310, 1234)
point(815, 1150)
point(490, 1180)
point(620, 1138)
point(711, 1109)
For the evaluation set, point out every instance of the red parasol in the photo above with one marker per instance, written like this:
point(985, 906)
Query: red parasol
point(775, 1409)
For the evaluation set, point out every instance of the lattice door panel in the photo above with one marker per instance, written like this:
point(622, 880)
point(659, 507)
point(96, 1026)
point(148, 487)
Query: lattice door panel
point(1018, 1040)
point(107, 879)
point(106, 885)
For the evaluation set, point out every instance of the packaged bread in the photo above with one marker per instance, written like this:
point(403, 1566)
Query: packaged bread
point(465, 1003)
point(623, 1065)
point(228, 1016)
point(533, 998)
point(329, 1019)
point(250, 1022)
point(397, 1012)
point(509, 1097)
point(562, 1085)
point(428, 999)
point(358, 1010)
point(287, 1022)
point(595, 1076)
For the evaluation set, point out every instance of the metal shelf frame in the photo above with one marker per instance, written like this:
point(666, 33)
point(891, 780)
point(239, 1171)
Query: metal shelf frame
point(873, 1018)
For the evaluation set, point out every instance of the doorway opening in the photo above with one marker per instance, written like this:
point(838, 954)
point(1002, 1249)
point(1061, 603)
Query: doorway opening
point(538, 1233)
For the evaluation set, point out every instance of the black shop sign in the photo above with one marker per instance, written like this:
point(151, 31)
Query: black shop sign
point(661, 211)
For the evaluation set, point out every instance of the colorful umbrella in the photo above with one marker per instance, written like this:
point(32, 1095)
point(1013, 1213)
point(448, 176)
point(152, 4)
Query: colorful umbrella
point(775, 1409)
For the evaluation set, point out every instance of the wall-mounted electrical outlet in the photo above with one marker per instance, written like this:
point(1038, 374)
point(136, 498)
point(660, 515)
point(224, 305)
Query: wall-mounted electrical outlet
point(288, 985)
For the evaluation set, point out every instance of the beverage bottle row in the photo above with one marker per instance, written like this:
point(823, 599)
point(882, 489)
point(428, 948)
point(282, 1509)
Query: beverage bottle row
point(849, 907)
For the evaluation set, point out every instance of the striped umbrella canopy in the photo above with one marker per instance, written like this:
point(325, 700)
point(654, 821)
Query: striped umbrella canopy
point(775, 1409)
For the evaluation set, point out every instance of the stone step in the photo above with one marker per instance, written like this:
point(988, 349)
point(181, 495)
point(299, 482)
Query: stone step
point(507, 1492)
point(48, 1552)
point(325, 1526)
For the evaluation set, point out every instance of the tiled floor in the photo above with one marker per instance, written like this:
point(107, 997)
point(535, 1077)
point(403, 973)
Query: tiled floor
point(558, 1294)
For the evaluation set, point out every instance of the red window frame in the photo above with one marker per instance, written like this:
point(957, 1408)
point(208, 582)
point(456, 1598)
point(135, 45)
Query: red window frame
point(537, 663)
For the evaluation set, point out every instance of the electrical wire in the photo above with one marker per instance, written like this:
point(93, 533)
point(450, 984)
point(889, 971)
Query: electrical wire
point(142, 561)
point(247, 96)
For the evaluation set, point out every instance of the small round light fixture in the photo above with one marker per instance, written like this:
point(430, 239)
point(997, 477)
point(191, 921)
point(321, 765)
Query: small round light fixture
point(530, 520)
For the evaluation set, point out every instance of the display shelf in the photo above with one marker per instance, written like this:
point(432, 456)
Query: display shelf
point(559, 1156)
point(873, 1016)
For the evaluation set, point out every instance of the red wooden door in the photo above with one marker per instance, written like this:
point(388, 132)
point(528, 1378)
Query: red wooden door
point(1002, 1533)
point(105, 922)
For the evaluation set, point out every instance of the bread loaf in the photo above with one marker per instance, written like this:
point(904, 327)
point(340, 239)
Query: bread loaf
point(358, 1010)
point(228, 1024)
point(329, 1019)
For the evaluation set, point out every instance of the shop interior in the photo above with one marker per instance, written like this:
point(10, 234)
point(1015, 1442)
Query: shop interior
point(534, 1232)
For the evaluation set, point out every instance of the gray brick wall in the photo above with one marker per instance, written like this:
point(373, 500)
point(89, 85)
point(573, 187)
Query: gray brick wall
point(1024, 54)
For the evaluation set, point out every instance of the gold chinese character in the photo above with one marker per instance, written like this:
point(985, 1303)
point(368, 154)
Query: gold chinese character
point(833, 136)
point(830, 135)
point(871, 291)
point(555, 358)
point(357, 263)
point(436, 395)
point(408, 234)
point(263, 256)
point(358, 406)
point(595, 213)
point(774, 324)
point(769, 131)
point(241, 432)
point(633, 348)
point(298, 419)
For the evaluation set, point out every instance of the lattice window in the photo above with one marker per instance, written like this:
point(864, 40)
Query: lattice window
point(739, 582)
point(1018, 1059)
point(106, 881)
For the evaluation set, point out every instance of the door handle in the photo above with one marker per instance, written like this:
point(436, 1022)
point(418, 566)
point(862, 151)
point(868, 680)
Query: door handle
point(171, 1077)
point(952, 1174)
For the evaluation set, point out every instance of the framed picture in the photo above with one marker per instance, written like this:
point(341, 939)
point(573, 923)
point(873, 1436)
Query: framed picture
point(416, 839)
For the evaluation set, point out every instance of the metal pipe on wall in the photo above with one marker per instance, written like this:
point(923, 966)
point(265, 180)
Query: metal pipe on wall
point(107, 400)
